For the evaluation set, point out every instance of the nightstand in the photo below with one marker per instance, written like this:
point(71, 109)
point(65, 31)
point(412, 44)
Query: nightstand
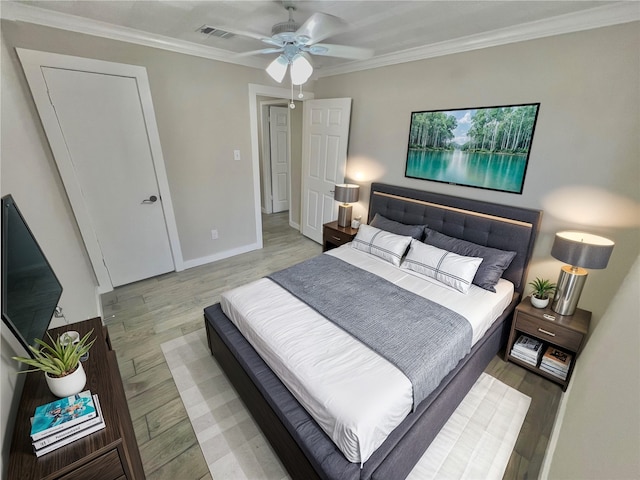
point(564, 332)
point(333, 235)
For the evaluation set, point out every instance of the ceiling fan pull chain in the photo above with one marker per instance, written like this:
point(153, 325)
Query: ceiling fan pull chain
point(300, 95)
point(292, 105)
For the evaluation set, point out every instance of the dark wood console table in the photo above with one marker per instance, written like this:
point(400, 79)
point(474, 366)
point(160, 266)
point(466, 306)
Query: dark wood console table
point(109, 454)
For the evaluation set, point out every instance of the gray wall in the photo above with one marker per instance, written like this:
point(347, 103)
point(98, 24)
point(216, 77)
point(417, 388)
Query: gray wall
point(600, 432)
point(583, 170)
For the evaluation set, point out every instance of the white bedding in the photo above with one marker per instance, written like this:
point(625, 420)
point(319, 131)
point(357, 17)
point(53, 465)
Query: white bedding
point(356, 396)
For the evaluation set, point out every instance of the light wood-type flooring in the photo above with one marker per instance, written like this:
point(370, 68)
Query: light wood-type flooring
point(143, 315)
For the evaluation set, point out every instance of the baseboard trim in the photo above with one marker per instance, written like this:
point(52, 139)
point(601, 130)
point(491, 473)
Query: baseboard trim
point(555, 433)
point(196, 262)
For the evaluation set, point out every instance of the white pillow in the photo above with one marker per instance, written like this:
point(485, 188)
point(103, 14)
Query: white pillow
point(446, 267)
point(383, 244)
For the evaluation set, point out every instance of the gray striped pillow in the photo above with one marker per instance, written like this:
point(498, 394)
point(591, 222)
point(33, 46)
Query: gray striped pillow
point(449, 268)
point(383, 244)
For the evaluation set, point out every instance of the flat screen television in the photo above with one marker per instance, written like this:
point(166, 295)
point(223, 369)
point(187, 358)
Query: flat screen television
point(30, 288)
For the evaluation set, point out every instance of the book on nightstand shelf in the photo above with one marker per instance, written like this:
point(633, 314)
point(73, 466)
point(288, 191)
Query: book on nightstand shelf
point(556, 362)
point(527, 349)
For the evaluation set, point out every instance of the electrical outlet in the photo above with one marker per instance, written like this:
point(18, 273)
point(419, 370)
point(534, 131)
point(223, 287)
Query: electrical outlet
point(214, 234)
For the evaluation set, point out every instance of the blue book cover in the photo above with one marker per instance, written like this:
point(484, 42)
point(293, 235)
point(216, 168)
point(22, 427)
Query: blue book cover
point(61, 414)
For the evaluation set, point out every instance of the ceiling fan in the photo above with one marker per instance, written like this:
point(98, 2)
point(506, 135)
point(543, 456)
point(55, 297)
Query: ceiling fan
point(295, 43)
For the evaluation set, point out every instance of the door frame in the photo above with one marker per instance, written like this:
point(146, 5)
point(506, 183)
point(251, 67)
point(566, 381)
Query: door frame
point(256, 90)
point(32, 61)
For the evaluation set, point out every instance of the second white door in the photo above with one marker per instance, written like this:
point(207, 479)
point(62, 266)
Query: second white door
point(280, 164)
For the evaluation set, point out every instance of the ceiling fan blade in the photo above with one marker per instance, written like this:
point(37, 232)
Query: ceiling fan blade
point(320, 26)
point(342, 51)
point(246, 33)
point(259, 52)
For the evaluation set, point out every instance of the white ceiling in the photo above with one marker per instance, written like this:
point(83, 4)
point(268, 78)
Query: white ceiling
point(396, 30)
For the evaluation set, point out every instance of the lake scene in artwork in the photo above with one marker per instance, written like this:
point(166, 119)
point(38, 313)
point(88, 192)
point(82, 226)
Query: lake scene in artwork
point(485, 147)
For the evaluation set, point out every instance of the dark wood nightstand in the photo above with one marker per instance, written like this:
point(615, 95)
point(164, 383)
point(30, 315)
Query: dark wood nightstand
point(565, 332)
point(333, 235)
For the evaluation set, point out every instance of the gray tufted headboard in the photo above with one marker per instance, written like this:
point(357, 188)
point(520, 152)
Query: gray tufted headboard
point(489, 224)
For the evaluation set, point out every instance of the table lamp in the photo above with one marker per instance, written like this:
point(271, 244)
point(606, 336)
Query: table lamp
point(345, 193)
point(580, 251)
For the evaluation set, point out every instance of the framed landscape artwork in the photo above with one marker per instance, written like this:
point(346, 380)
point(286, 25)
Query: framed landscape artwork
point(484, 147)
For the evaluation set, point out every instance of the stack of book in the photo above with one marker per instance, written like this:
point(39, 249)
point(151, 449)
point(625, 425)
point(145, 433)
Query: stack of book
point(64, 421)
point(527, 349)
point(556, 362)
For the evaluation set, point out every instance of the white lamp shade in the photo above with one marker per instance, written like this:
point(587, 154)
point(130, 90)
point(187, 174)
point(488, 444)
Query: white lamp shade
point(301, 69)
point(278, 68)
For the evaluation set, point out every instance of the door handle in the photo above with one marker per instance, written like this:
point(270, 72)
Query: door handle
point(151, 199)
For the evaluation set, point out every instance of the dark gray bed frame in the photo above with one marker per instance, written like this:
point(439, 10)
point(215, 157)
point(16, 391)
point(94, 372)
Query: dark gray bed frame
point(304, 449)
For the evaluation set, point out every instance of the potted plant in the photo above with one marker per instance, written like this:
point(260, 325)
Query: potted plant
point(542, 289)
point(60, 362)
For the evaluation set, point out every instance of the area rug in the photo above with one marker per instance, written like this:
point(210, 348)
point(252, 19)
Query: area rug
point(476, 441)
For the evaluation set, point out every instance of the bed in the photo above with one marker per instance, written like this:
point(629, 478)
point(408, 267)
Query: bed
point(297, 438)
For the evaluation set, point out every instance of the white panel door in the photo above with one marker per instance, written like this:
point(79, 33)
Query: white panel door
point(87, 94)
point(279, 140)
point(324, 156)
point(101, 119)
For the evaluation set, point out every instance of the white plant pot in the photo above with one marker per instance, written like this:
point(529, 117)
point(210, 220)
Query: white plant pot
point(540, 302)
point(68, 385)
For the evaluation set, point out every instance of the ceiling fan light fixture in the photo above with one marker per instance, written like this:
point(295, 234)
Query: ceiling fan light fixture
point(301, 69)
point(278, 68)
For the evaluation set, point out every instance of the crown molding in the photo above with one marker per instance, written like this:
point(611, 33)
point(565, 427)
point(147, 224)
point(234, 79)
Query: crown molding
point(19, 12)
point(613, 14)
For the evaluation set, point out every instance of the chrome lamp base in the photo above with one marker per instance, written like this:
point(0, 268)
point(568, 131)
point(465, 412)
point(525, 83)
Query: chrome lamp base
point(568, 289)
point(344, 215)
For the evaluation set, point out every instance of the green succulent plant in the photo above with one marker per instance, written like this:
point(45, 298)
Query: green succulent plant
point(58, 358)
point(542, 288)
